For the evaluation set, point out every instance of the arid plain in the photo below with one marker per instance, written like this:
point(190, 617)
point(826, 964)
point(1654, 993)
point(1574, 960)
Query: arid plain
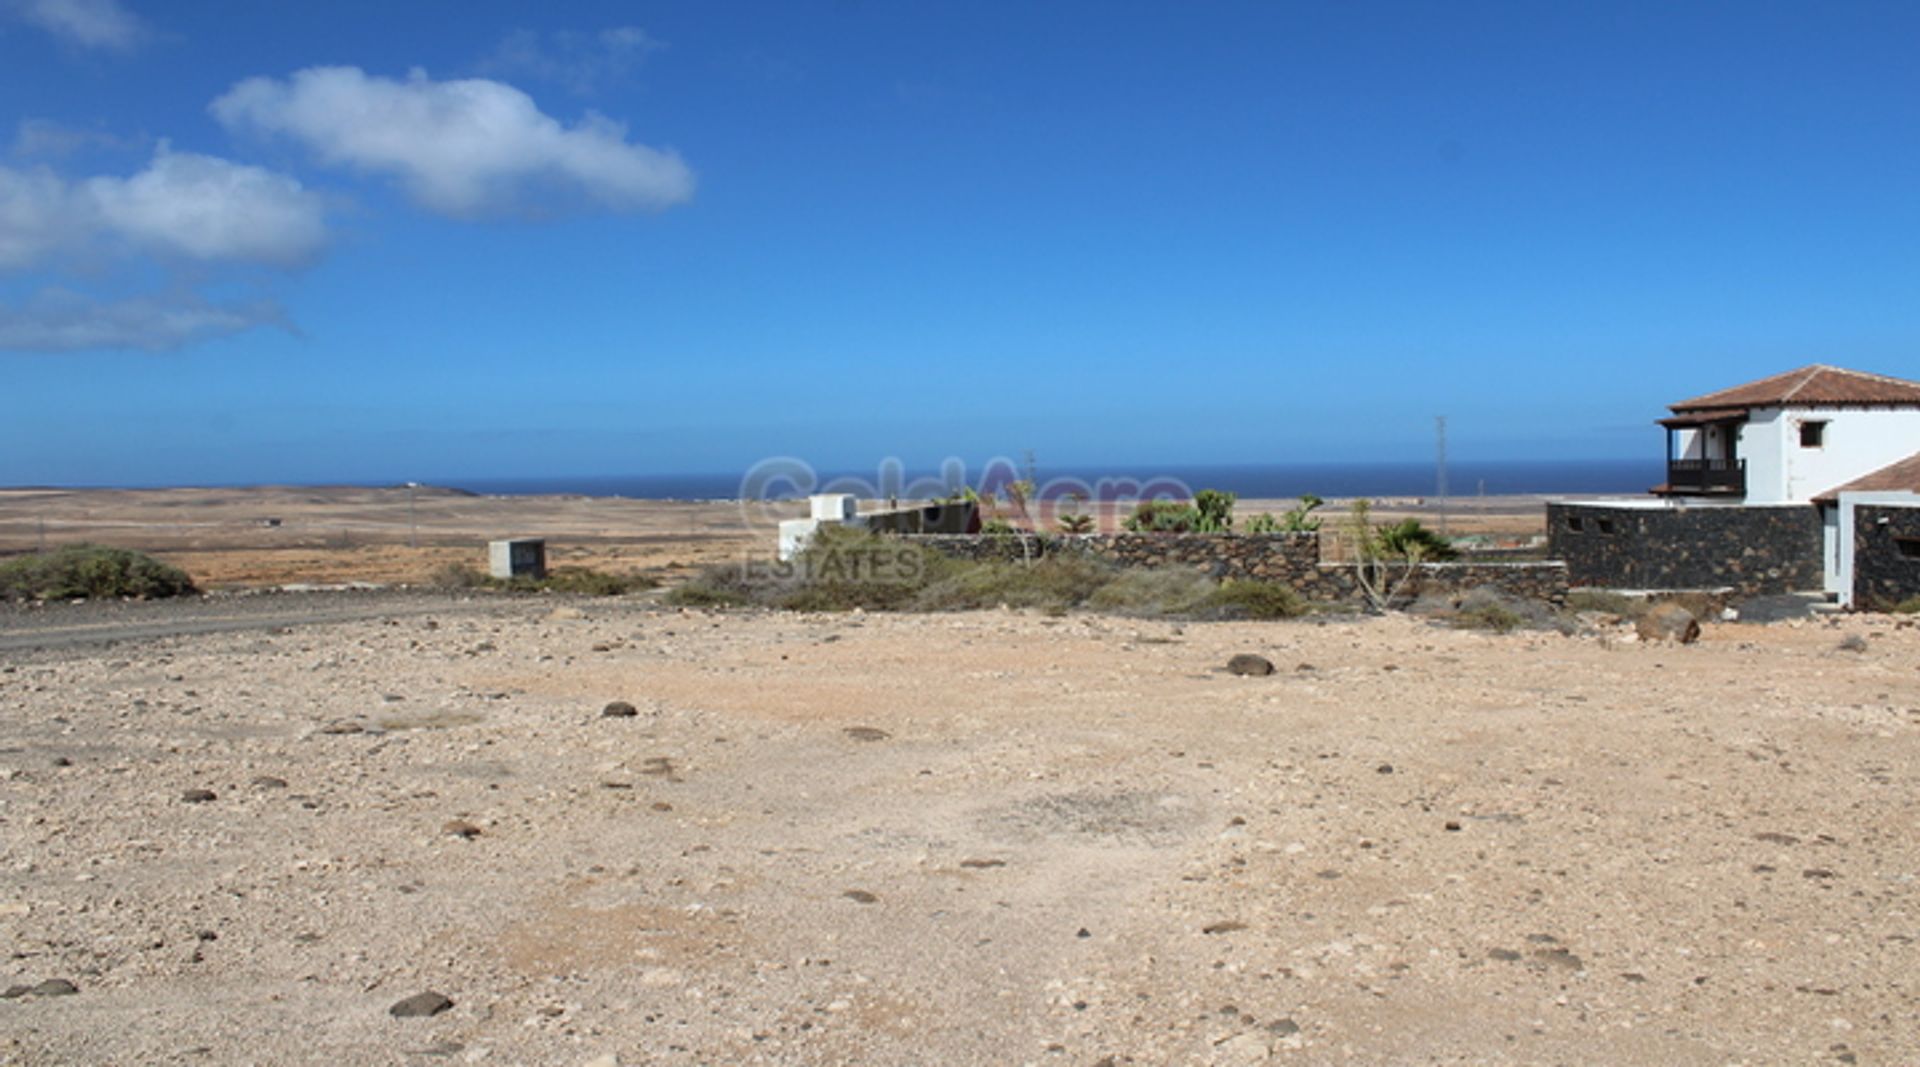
point(245, 829)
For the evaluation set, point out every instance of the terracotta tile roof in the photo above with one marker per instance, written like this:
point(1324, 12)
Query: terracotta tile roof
point(1814, 386)
point(1894, 477)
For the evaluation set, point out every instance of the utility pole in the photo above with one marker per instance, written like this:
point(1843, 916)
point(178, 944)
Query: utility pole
point(413, 522)
point(1440, 467)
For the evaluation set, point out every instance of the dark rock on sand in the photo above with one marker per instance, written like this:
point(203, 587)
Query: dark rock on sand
point(420, 1006)
point(619, 709)
point(1248, 663)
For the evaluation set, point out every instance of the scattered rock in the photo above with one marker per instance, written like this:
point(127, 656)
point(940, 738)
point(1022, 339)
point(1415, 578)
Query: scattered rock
point(268, 781)
point(1773, 837)
point(1224, 926)
point(198, 796)
point(1283, 1027)
point(461, 829)
point(866, 733)
point(860, 896)
point(1668, 622)
point(1560, 957)
point(1250, 1047)
point(980, 865)
point(15, 992)
point(344, 727)
point(55, 987)
point(1453, 826)
point(420, 1006)
point(1384, 768)
point(619, 709)
point(1504, 955)
point(1851, 643)
point(1250, 664)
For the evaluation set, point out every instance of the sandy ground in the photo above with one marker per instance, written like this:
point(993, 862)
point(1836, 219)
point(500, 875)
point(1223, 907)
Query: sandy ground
point(241, 538)
point(974, 838)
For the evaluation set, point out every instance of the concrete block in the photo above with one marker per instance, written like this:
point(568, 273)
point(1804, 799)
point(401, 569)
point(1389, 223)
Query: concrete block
point(517, 558)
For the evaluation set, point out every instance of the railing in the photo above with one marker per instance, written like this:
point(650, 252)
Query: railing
point(1707, 475)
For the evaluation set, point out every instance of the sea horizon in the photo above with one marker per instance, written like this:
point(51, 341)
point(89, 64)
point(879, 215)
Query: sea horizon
point(1466, 478)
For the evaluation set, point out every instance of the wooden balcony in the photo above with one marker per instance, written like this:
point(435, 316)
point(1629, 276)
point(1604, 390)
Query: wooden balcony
point(1706, 477)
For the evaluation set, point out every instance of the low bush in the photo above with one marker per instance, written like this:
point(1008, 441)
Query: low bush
point(1487, 616)
point(581, 581)
point(1607, 601)
point(1163, 591)
point(1053, 583)
point(91, 571)
point(1253, 600)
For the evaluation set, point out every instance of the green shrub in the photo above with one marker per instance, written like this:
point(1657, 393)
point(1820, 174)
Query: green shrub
point(1301, 519)
point(1487, 616)
point(1407, 537)
point(1214, 510)
point(1054, 583)
point(91, 571)
point(730, 585)
point(1909, 606)
point(1263, 523)
point(577, 580)
point(1210, 512)
point(1253, 600)
point(1607, 601)
point(1161, 591)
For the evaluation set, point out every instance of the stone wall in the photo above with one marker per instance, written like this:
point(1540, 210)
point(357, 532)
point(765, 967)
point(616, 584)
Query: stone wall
point(1886, 555)
point(1752, 550)
point(1289, 558)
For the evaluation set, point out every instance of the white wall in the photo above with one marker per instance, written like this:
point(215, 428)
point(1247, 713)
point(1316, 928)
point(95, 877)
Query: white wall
point(1842, 575)
point(1857, 441)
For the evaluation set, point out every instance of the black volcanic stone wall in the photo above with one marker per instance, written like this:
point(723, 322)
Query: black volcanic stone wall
point(1293, 559)
point(1752, 550)
point(1886, 558)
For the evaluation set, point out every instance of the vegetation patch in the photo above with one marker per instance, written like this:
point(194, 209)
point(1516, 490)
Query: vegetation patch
point(581, 581)
point(844, 569)
point(91, 572)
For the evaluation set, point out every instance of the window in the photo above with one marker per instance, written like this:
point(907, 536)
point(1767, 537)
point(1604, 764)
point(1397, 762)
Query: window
point(1813, 433)
point(1909, 547)
point(1606, 526)
point(1575, 523)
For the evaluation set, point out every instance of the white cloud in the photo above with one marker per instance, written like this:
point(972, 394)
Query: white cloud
point(193, 217)
point(58, 320)
point(47, 139)
point(182, 206)
point(583, 62)
point(209, 209)
point(88, 23)
point(36, 216)
point(466, 148)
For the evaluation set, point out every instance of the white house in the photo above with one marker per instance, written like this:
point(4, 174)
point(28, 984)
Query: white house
point(1791, 437)
point(1762, 482)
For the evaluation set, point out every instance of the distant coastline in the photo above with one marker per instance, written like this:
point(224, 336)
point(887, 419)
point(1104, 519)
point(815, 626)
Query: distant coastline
point(1250, 481)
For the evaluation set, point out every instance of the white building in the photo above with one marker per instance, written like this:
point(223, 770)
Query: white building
point(1791, 437)
point(1763, 480)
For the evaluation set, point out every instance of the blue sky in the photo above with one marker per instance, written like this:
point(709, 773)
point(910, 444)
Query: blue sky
point(256, 242)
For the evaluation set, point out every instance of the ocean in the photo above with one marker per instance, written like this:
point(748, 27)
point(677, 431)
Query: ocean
point(1250, 481)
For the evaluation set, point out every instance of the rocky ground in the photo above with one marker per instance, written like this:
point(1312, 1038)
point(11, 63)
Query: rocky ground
point(978, 838)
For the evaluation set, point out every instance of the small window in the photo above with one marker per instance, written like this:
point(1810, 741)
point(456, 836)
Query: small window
point(1606, 526)
point(1576, 523)
point(1909, 547)
point(1813, 433)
